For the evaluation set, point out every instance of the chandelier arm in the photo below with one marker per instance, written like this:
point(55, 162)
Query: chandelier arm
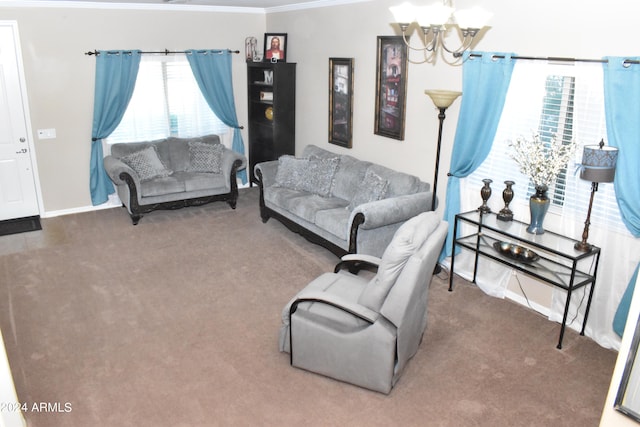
point(466, 44)
point(429, 46)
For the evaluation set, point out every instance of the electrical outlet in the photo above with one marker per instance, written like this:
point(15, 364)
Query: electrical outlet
point(46, 133)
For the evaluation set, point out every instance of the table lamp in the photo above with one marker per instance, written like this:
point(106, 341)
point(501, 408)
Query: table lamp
point(598, 165)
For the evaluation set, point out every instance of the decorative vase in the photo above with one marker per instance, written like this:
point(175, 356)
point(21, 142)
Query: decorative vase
point(485, 193)
point(538, 205)
point(507, 195)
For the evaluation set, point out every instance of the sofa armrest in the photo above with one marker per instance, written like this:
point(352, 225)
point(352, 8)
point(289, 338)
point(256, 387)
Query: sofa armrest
point(229, 157)
point(268, 171)
point(392, 210)
point(115, 167)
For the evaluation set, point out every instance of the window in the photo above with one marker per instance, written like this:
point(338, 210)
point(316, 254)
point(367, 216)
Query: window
point(553, 100)
point(166, 102)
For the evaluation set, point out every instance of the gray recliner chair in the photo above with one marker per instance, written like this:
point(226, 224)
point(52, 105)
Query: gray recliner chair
point(364, 331)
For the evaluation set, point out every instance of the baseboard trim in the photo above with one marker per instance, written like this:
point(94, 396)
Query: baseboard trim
point(545, 311)
point(108, 205)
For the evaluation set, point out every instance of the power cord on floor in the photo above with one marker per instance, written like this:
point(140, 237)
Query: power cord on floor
point(441, 272)
point(524, 294)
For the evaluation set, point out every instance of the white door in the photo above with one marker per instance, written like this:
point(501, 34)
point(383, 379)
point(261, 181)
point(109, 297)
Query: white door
point(18, 195)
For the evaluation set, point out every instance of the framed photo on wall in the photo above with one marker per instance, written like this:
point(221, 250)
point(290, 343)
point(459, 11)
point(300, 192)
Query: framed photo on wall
point(275, 47)
point(391, 86)
point(341, 101)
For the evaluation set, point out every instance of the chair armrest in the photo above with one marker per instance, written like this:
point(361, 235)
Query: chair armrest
point(355, 309)
point(356, 262)
point(115, 167)
point(392, 210)
point(268, 171)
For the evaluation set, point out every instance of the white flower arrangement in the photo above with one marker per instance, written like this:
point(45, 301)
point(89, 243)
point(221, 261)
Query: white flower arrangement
point(540, 161)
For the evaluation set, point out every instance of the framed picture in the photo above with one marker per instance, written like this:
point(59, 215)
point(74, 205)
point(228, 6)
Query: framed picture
point(628, 397)
point(275, 47)
point(391, 86)
point(341, 101)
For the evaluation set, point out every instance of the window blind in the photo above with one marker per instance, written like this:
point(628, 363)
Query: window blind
point(166, 102)
point(565, 101)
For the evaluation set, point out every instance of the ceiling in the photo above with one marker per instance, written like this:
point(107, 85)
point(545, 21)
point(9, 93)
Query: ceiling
point(260, 4)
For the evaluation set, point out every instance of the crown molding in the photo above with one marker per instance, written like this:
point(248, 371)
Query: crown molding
point(312, 5)
point(173, 6)
point(127, 6)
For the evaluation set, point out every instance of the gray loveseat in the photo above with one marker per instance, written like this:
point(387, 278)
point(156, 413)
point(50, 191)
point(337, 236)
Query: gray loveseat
point(173, 173)
point(342, 203)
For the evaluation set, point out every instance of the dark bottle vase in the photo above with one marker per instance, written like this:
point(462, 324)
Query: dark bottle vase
point(538, 205)
point(507, 195)
point(485, 193)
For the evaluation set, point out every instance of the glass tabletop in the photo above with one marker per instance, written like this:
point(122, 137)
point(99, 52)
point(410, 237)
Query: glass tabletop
point(517, 230)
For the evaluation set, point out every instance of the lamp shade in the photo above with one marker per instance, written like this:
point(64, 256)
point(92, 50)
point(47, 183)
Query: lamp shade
point(599, 163)
point(443, 98)
point(475, 17)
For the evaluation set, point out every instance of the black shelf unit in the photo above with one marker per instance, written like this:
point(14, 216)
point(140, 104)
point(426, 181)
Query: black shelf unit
point(271, 91)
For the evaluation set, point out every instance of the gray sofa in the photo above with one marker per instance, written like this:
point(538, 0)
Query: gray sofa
point(173, 173)
point(342, 203)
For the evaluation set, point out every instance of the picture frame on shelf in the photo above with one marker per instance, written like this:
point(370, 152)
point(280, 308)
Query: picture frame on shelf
point(275, 47)
point(341, 101)
point(391, 86)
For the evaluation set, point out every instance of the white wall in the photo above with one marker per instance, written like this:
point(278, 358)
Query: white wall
point(60, 78)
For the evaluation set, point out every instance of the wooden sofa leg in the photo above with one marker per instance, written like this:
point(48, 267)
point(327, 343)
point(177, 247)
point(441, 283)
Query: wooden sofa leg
point(135, 218)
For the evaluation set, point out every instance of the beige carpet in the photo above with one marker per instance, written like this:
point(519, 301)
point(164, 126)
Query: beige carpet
point(174, 322)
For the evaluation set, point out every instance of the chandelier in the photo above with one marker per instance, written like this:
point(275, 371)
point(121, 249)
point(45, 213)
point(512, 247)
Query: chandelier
point(434, 20)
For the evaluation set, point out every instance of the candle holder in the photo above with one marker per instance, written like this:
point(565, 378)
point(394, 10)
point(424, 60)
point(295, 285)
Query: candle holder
point(505, 213)
point(485, 193)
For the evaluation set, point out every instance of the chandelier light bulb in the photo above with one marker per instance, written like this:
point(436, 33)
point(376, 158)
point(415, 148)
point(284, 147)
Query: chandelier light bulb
point(475, 18)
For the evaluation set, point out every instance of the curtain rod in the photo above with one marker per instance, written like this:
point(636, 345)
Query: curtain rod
point(165, 52)
point(557, 59)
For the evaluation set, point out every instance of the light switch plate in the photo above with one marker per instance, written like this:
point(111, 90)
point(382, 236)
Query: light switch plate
point(46, 133)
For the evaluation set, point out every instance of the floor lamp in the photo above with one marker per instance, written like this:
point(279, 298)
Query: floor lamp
point(442, 99)
point(598, 165)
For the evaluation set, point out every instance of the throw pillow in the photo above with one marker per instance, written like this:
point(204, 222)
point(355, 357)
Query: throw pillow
point(205, 157)
point(372, 188)
point(320, 175)
point(291, 171)
point(147, 164)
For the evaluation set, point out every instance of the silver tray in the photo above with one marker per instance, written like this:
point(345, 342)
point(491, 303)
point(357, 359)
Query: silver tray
point(516, 252)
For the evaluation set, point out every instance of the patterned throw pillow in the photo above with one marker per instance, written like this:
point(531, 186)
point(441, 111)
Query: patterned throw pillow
point(147, 164)
point(372, 188)
point(205, 157)
point(320, 175)
point(291, 171)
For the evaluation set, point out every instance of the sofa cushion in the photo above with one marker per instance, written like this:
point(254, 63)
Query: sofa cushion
point(350, 173)
point(371, 188)
point(161, 186)
point(309, 206)
point(335, 221)
point(205, 157)
point(406, 241)
point(399, 183)
point(147, 164)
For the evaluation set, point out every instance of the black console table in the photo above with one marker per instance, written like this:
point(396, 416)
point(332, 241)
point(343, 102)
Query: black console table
point(549, 257)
